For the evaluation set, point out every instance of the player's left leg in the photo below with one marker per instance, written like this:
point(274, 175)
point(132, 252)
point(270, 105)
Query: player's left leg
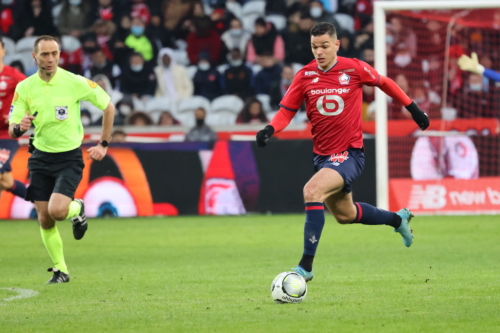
point(346, 211)
point(7, 183)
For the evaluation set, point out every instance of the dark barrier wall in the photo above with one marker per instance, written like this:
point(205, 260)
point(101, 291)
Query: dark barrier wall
point(228, 177)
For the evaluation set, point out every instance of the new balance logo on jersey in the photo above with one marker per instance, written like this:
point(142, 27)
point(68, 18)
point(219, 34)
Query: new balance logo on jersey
point(315, 80)
point(338, 91)
point(313, 239)
point(311, 73)
point(336, 159)
point(344, 79)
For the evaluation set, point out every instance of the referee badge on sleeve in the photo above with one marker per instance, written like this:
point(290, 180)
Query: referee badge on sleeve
point(61, 112)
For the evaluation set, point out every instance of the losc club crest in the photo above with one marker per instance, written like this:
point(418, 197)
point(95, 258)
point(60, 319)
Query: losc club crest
point(344, 79)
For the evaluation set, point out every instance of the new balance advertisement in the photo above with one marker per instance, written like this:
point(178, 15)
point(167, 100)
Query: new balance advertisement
point(225, 178)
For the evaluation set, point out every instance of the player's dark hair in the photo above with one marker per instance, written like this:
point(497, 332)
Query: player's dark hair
point(1, 42)
point(43, 37)
point(322, 28)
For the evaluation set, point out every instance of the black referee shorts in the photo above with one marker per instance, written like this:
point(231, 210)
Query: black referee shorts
point(54, 173)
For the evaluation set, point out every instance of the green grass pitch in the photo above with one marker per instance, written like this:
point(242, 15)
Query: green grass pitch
point(212, 274)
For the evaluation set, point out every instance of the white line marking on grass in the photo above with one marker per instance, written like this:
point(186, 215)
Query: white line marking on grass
point(21, 293)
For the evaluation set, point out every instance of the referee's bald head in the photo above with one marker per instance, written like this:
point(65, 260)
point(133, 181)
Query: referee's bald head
point(46, 38)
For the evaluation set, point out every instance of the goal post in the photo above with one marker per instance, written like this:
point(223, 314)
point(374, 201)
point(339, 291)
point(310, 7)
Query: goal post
point(381, 8)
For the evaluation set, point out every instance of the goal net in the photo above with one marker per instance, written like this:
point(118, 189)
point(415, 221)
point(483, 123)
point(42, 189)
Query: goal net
point(454, 166)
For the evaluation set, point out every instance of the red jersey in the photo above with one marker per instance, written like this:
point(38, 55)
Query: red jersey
point(333, 102)
point(9, 78)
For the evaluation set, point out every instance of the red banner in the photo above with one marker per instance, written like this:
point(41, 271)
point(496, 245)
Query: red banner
point(446, 196)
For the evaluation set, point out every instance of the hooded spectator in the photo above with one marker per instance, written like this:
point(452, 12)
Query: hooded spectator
point(172, 78)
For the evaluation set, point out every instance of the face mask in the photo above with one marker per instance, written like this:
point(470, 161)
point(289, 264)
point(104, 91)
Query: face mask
point(235, 32)
point(236, 63)
point(389, 39)
point(200, 122)
point(125, 109)
point(75, 2)
point(85, 121)
point(402, 60)
point(7, 2)
point(203, 66)
point(286, 82)
point(136, 68)
point(137, 30)
point(475, 87)
point(88, 50)
point(316, 12)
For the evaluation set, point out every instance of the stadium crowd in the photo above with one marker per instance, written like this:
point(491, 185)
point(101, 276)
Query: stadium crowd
point(237, 56)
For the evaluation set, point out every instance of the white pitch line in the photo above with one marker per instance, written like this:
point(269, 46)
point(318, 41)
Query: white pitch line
point(21, 293)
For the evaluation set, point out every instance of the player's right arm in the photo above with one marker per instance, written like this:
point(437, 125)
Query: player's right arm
point(471, 64)
point(289, 106)
point(19, 117)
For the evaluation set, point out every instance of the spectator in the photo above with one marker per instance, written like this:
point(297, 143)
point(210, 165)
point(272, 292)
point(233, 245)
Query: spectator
point(104, 31)
point(85, 117)
point(396, 110)
point(474, 102)
point(138, 41)
point(298, 44)
point(403, 34)
point(118, 136)
point(101, 65)
point(403, 62)
point(363, 38)
point(268, 76)
point(104, 10)
point(236, 37)
point(204, 39)
point(8, 11)
point(34, 20)
point(276, 7)
point(172, 79)
point(17, 64)
point(278, 90)
point(89, 46)
point(368, 56)
point(124, 108)
point(201, 132)
point(72, 18)
point(140, 9)
point(265, 40)
point(221, 19)
point(318, 13)
point(296, 9)
point(238, 78)
point(166, 119)
point(206, 79)
point(346, 48)
point(138, 79)
point(252, 113)
point(123, 30)
point(158, 34)
point(174, 11)
point(138, 118)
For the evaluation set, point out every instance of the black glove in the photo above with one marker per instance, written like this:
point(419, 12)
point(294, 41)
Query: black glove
point(263, 135)
point(419, 116)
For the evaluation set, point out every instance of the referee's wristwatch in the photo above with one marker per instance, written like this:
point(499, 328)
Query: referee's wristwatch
point(104, 143)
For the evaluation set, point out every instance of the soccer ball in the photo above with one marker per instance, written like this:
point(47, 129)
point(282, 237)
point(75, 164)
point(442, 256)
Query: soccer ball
point(288, 287)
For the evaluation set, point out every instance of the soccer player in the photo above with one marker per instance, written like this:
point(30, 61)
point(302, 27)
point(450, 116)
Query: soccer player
point(10, 77)
point(471, 64)
point(53, 95)
point(331, 88)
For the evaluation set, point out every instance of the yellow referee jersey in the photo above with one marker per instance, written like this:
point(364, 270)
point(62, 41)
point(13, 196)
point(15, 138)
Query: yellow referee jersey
point(58, 126)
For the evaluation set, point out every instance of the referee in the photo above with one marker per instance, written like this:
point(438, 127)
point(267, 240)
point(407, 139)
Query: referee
point(50, 99)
